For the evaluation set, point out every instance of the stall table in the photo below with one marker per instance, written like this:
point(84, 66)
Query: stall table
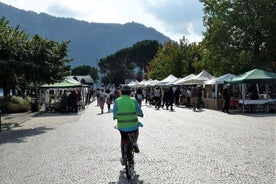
point(260, 103)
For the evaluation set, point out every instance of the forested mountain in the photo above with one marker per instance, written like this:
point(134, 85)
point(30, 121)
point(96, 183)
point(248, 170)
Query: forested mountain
point(89, 41)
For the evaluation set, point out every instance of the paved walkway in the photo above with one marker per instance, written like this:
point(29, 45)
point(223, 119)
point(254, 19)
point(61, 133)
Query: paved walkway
point(176, 147)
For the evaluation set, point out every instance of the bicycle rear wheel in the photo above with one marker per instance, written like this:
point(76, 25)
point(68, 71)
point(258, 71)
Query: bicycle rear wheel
point(129, 169)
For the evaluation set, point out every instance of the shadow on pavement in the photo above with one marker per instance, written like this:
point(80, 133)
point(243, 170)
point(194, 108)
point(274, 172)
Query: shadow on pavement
point(123, 179)
point(259, 115)
point(18, 136)
point(55, 114)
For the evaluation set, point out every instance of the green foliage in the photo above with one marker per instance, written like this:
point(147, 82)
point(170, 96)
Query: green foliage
point(25, 62)
point(240, 35)
point(86, 70)
point(128, 63)
point(14, 104)
point(174, 58)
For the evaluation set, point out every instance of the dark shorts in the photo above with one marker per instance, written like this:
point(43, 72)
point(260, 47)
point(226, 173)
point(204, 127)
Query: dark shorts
point(124, 135)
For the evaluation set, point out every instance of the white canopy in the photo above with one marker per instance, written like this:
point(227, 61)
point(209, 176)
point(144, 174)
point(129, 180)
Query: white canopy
point(169, 79)
point(200, 78)
point(148, 82)
point(183, 80)
point(142, 83)
point(220, 80)
point(133, 83)
point(153, 83)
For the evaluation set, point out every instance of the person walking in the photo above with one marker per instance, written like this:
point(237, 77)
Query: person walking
point(194, 96)
point(170, 98)
point(188, 95)
point(102, 96)
point(177, 94)
point(165, 98)
point(157, 97)
point(139, 96)
point(226, 98)
point(109, 99)
point(126, 110)
point(199, 99)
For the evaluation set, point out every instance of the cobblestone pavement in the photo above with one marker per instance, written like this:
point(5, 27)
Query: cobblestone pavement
point(9, 121)
point(176, 147)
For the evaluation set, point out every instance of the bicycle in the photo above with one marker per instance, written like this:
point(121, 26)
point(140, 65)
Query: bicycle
point(128, 155)
point(128, 152)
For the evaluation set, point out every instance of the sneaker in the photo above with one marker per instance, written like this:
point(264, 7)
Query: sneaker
point(136, 148)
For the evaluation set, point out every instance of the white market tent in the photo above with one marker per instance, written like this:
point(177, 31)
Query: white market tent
point(200, 78)
point(183, 80)
point(133, 83)
point(219, 80)
point(172, 83)
point(148, 82)
point(153, 83)
point(142, 83)
point(169, 79)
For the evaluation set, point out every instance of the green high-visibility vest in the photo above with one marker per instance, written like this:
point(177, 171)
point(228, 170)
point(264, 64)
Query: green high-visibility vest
point(126, 114)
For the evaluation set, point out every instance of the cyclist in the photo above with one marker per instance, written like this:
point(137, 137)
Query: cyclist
point(126, 110)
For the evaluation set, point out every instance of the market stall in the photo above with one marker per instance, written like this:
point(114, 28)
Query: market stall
point(255, 77)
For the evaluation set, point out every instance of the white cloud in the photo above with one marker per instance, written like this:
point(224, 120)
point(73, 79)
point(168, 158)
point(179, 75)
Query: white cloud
point(174, 18)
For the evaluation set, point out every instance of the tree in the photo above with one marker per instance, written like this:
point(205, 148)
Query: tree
point(47, 59)
point(174, 58)
point(142, 53)
point(86, 70)
point(12, 49)
point(240, 35)
point(25, 63)
point(116, 68)
point(128, 63)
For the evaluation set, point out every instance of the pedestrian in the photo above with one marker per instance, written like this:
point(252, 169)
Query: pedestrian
point(165, 97)
point(139, 96)
point(188, 95)
point(117, 92)
point(148, 95)
point(126, 110)
point(102, 96)
point(64, 102)
point(194, 96)
point(226, 98)
point(176, 96)
point(72, 101)
point(109, 99)
point(170, 98)
point(97, 92)
point(157, 97)
point(144, 93)
point(199, 98)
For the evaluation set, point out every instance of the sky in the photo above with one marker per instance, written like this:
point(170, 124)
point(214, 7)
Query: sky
point(173, 18)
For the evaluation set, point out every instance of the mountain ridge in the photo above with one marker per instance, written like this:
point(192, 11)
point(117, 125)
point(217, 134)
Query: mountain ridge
point(89, 41)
